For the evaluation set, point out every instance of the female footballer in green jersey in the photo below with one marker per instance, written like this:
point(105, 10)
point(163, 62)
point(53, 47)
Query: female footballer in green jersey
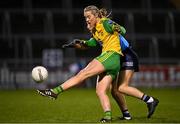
point(108, 62)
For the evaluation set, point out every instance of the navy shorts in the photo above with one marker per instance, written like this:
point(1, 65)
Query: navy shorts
point(129, 61)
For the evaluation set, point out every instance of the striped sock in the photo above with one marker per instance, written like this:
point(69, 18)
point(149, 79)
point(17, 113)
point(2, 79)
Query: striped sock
point(147, 98)
point(57, 89)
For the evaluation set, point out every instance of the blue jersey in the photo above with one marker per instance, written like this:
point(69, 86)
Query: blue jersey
point(130, 59)
point(124, 43)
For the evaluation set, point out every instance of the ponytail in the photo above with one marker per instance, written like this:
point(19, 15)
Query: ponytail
point(101, 13)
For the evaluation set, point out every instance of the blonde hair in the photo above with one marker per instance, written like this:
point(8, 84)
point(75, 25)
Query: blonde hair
point(96, 11)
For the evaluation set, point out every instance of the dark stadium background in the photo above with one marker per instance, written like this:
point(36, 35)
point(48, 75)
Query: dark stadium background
point(33, 31)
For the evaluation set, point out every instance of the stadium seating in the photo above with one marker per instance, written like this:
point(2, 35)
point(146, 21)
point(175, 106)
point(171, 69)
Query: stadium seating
point(49, 24)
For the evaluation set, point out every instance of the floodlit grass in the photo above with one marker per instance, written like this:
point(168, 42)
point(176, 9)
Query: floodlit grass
point(82, 105)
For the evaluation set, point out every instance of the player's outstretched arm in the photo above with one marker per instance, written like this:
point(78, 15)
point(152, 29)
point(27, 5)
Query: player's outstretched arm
point(81, 44)
point(76, 43)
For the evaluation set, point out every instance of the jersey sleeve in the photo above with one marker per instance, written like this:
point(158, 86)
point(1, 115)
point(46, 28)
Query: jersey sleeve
point(111, 26)
point(91, 42)
point(122, 30)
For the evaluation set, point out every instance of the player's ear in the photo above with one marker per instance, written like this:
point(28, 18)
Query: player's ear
point(96, 15)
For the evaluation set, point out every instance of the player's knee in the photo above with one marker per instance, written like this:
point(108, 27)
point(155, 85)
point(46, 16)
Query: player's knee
point(122, 88)
point(100, 92)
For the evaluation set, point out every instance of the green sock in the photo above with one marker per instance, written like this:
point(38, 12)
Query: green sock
point(57, 89)
point(107, 115)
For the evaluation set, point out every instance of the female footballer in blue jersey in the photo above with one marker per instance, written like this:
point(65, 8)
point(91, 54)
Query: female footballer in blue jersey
point(129, 65)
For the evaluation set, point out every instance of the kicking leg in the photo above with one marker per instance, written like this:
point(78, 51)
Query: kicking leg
point(93, 68)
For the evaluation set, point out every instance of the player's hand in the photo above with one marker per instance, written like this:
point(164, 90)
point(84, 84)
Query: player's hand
point(79, 44)
point(117, 28)
point(78, 41)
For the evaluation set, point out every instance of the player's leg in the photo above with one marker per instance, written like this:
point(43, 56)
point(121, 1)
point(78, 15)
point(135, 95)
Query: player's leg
point(101, 90)
point(111, 62)
point(126, 76)
point(100, 64)
point(130, 65)
point(132, 91)
point(93, 68)
point(120, 99)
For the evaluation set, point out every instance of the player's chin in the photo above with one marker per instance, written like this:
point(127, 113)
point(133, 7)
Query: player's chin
point(90, 30)
point(90, 27)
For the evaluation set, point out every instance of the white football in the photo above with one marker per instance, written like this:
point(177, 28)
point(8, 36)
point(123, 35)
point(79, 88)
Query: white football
point(39, 74)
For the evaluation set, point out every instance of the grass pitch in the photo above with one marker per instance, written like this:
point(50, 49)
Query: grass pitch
point(82, 105)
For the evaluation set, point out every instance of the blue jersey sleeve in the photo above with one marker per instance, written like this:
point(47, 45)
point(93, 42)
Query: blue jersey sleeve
point(124, 43)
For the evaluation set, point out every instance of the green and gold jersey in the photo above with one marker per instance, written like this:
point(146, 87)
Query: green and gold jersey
point(109, 38)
